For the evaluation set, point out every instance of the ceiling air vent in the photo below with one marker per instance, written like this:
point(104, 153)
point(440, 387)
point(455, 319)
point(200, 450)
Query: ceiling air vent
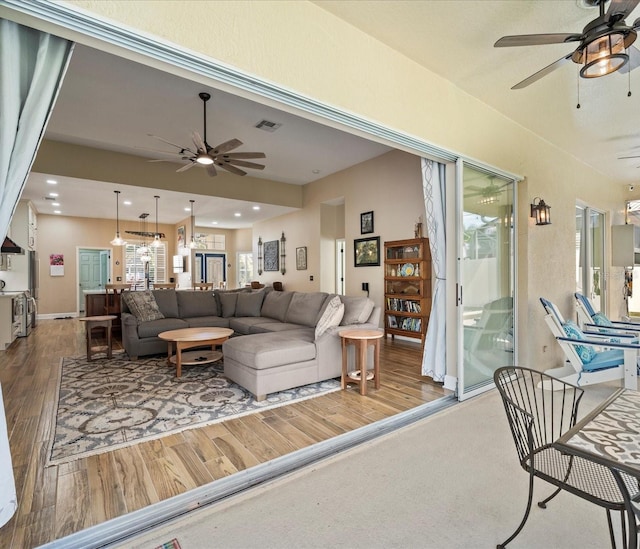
point(268, 126)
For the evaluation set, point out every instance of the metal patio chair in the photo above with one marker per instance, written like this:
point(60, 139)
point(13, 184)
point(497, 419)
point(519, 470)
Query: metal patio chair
point(537, 417)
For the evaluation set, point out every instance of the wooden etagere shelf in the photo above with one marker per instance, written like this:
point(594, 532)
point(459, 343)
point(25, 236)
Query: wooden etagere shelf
point(407, 287)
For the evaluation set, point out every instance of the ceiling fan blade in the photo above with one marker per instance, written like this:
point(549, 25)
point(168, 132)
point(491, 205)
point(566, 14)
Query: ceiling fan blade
point(230, 168)
point(620, 9)
point(625, 157)
point(211, 170)
point(186, 167)
point(199, 143)
point(159, 160)
point(634, 60)
point(244, 164)
point(245, 155)
point(226, 146)
point(535, 39)
point(543, 72)
point(169, 143)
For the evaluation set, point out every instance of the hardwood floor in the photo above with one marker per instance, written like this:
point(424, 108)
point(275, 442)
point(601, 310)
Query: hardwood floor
point(58, 500)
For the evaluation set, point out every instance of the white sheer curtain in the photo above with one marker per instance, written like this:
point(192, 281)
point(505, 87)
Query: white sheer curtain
point(433, 186)
point(32, 65)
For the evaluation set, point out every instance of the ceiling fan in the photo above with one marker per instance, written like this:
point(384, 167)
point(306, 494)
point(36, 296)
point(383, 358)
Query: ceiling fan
point(488, 194)
point(605, 44)
point(209, 157)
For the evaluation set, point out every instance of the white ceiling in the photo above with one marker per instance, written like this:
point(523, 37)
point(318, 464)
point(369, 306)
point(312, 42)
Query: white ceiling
point(111, 103)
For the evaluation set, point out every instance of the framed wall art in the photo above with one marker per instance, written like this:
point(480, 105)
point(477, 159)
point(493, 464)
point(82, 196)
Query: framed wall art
point(301, 258)
point(366, 222)
point(271, 259)
point(366, 251)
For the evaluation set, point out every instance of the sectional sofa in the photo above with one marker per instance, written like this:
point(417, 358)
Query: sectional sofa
point(281, 339)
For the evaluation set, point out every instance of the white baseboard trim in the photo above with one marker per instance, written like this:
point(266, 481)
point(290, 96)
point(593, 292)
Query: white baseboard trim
point(54, 316)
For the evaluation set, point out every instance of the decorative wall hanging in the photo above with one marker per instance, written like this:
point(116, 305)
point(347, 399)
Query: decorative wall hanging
point(366, 222)
point(56, 264)
point(271, 256)
point(260, 255)
point(301, 258)
point(366, 252)
point(283, 255)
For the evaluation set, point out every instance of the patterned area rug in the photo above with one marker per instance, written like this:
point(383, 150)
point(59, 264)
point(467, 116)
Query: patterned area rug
point(108, 404)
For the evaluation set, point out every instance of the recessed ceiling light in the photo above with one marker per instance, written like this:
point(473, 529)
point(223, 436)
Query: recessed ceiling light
point(214, 222)
point(52, 182)
point(127, 202)
point(256, 207)
point(57, 212)
point(187, 209)
point(237, 214)
point(315, 171)
point(53, 194)
point(55, 204)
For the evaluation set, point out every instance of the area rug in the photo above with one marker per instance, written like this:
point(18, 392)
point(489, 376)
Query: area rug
point(112, 403)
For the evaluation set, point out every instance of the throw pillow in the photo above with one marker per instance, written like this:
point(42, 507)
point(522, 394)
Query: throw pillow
point(601, 320)
point(356, 310)
point(142, 305)
point(228, 302)
point(586, 352)
point(249, 304)
point(331, 316)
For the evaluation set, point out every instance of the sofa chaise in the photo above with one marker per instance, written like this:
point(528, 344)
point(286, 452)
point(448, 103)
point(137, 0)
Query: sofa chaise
point(281, 340)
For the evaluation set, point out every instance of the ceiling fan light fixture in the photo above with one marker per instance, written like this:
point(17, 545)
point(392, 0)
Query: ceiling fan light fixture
point(204, 159)
point(604, 55)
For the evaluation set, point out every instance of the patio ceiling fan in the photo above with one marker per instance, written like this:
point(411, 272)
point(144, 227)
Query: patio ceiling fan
point(488, 194)
point(604, 45)
point(209, 157)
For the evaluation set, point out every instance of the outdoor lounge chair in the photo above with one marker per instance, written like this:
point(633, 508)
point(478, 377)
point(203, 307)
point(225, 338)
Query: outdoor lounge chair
point(590, 319)
point(592, 357)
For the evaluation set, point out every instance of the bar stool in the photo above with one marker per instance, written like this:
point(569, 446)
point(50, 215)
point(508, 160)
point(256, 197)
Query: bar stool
point(92, 322)
point(361, 339)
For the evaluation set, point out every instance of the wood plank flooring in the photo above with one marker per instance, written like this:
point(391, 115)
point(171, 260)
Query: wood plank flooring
point(59, 500)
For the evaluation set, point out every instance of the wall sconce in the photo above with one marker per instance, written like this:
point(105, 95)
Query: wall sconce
point(541, 212)
point(282, 253)
point(259, 255)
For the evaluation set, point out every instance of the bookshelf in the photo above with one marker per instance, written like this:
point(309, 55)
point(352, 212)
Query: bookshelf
point(407, 287)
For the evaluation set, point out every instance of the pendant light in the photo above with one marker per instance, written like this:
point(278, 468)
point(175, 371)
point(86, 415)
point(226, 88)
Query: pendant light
point(143, 250)
point(156, 238)
point(117, 241)
point(192, 244)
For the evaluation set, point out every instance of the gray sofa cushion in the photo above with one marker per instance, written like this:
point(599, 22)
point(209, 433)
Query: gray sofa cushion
point(249, 304)
point(304, 308)
point(356, 310)
point(228, 303)
point(331, 316)
point(243, 325)
point(167, 302)
point(142, 305)
point(267, 327)
point(263, 351)
point(154, 327)
point(207, 322)
point(192, 303)
point(276, 304)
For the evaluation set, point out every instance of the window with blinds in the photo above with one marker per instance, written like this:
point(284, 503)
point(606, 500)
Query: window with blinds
point(135, 269)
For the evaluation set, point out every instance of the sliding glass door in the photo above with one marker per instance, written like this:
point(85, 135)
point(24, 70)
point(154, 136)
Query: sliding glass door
point(486, 260)
point(590, 268)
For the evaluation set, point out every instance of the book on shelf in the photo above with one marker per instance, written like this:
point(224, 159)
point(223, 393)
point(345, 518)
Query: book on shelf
point(404, 305)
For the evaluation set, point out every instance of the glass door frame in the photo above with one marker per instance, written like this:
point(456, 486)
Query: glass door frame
point(586, 259)
point(457, 250)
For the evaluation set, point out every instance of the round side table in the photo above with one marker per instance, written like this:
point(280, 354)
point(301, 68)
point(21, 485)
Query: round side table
point(361, 339)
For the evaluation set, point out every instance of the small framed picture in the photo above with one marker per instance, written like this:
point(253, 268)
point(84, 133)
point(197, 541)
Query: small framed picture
point(301, 259)
point(366, 251)
point(366, 222)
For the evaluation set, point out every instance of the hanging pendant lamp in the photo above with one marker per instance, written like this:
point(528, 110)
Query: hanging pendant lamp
point(156, 239)
point(118, 241)
point(192, 244)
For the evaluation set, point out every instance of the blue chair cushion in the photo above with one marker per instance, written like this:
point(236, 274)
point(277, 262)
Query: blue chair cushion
point(601, 320)
point(604, 360)
point(586, 352)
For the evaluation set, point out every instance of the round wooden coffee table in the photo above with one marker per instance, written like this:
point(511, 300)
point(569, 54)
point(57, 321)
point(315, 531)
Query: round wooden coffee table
point(188, 338)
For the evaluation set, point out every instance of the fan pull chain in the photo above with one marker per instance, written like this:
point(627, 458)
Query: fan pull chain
point(578, 105)
point(629, 93)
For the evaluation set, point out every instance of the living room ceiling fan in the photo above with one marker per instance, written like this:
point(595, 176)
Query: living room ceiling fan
point(605, 44)
point(488, 194)
point(209, 157)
